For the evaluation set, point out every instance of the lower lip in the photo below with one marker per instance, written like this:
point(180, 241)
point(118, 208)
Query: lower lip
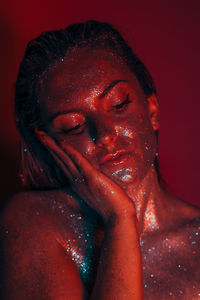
point(120, 160)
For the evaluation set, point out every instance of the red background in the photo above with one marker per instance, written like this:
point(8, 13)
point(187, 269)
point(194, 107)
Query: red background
point(166, 36)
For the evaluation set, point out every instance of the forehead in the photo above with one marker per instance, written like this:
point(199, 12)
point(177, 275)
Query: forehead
point(81, 69)
point(82, 74)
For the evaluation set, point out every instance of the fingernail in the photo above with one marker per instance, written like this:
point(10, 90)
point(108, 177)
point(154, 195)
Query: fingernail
point(39, 132)
point(42, 138)
point(40, 135)
point(61, 143)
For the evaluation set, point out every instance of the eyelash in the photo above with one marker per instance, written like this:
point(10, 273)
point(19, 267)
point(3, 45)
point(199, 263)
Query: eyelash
point(119, 108)
point(122, 106)
point(72, 131)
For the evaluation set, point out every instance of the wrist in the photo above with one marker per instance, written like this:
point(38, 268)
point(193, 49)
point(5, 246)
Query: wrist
point(124, 217)
point(122, 228)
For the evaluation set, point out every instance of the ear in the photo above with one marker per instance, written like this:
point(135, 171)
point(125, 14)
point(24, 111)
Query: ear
point(154, 111)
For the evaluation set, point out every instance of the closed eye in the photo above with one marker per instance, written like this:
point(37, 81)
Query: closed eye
point(78, 129)
point(122, 106)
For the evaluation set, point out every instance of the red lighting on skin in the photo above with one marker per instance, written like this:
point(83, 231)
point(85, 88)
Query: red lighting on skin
point(116, 158)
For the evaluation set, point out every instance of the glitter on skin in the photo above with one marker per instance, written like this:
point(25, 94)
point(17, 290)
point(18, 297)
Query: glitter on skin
point(81, 254)
point(161, 253)
point(174, 248)
point(90, 147)
point(151, 221)
point(124, 174)
point(91, 98)
point(124, 131)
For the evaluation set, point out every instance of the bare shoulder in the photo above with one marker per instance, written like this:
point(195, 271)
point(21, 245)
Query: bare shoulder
point(187, 227)
point(178, 212)
point(35, 216)
point(187, 240)
point(36, 206)
point(190, 240)
point(31, 219)
point(34, 264)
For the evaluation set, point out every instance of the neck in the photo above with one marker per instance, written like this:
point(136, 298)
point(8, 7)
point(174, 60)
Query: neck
point(147, 198)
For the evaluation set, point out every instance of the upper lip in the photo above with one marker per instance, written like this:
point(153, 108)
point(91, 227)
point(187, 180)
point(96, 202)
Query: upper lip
point(112, 156)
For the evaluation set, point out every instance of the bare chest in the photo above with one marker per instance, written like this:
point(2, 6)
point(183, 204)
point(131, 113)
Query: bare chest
point(171, 266)
point(171, 261)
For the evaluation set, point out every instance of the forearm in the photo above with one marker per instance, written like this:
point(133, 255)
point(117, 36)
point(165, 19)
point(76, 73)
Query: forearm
point(119, 274)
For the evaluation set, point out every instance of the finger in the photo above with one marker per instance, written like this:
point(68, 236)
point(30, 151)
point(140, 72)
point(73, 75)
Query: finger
point(52, 147)
point(78, 184)
point(62, 166)
point(81, 163)
point(75, 161)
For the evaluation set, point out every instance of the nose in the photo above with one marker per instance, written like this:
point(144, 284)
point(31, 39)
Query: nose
point(107, 141)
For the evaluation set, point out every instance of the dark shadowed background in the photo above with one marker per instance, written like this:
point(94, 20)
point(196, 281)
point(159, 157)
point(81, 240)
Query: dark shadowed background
point(165, 35)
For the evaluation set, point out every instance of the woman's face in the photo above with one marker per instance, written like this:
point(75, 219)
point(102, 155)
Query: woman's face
point(92, 101)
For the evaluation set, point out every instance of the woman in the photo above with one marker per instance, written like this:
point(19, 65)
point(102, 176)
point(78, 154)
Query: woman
point(96, 223)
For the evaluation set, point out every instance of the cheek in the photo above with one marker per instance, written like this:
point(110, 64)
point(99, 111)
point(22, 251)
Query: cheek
point(124, 131)
point(132, 127)
point(148, 143)
point(81, 143)
point(139, 134)
point(89, 148)
point(133, 124)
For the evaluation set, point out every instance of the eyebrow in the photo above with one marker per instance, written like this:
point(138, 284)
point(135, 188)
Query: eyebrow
point(110, 86)
point(103, 94)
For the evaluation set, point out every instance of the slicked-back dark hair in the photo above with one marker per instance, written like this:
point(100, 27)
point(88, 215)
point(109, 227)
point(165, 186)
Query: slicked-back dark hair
point(38, 170)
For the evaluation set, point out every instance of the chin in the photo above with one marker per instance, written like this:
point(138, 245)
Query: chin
point(130, 172)
point(126, 176)
point(123, 174)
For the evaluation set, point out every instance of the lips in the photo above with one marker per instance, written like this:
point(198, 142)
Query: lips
point(116, 158)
